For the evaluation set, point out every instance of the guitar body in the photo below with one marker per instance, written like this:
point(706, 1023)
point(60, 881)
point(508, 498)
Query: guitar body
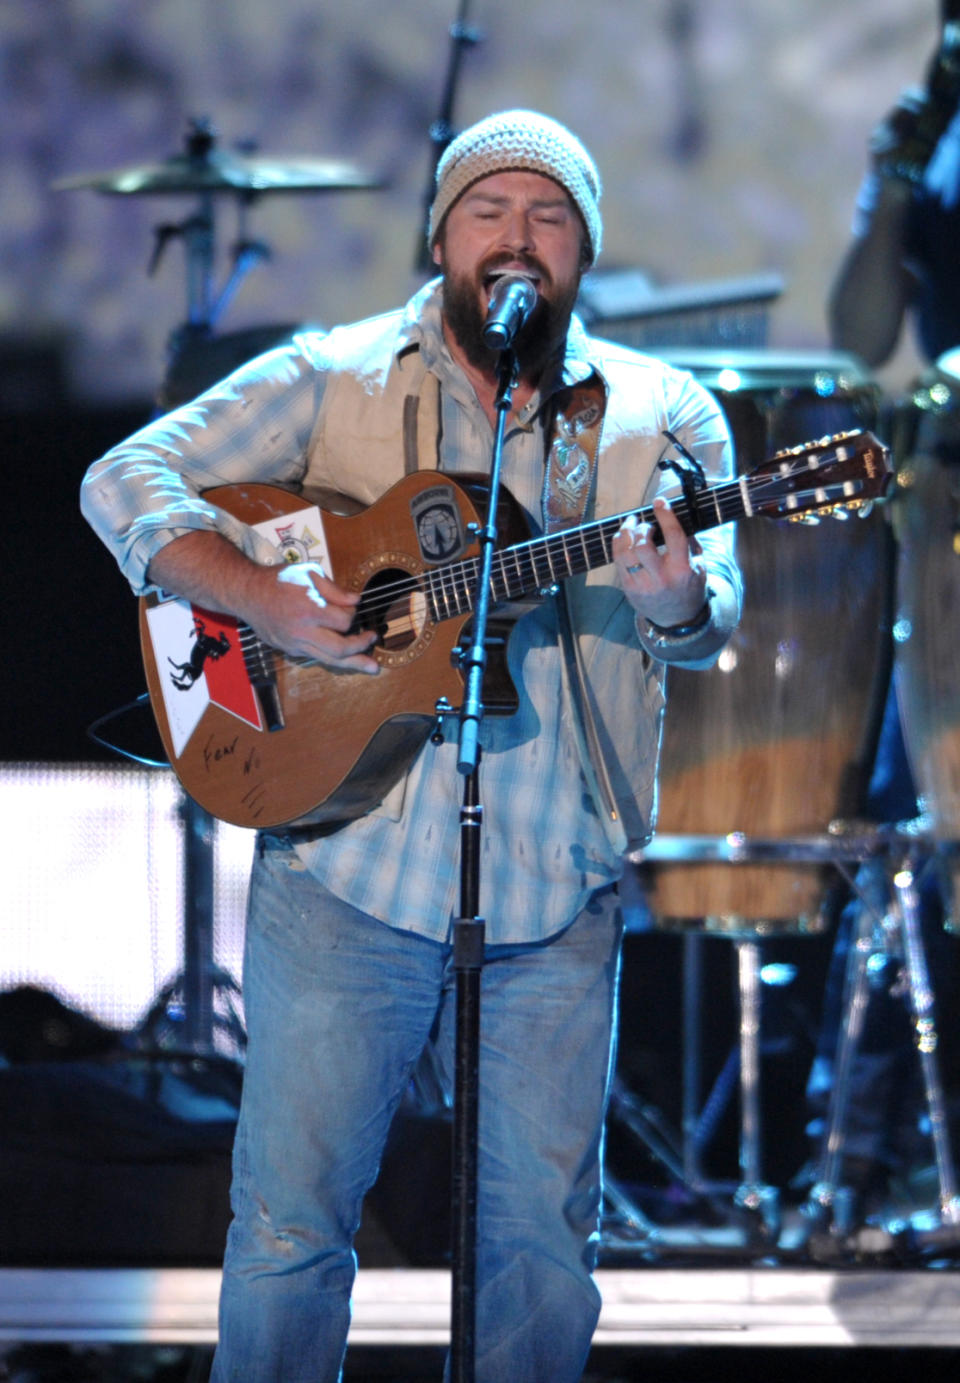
point(329, 744)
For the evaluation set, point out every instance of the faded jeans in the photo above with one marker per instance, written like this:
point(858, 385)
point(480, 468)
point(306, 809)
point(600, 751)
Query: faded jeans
point(339, 1008)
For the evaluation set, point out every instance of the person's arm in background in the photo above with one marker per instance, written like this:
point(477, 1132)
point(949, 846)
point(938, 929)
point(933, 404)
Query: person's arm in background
point(875, 285)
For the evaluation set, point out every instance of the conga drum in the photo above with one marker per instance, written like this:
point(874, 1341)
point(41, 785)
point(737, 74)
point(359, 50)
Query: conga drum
point(927, 629)
point(776, 741)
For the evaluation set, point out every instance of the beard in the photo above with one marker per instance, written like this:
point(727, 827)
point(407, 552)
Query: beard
point(539, 341)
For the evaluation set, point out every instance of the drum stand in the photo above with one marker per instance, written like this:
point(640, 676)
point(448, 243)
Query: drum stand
point(889, 900)
point(755, 1202)
point(185, 1019)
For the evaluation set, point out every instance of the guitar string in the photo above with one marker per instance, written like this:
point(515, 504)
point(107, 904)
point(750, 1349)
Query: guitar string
point(523, 557)
point(457, 580)
point(592, 536)
point(554, 548)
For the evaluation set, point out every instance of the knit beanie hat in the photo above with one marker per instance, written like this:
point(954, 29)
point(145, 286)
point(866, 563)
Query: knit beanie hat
point(519, 140)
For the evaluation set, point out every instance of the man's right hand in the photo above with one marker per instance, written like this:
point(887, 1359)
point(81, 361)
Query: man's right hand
point(295, 608)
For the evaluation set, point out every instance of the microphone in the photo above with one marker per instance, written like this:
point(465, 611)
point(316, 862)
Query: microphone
point(513, 298)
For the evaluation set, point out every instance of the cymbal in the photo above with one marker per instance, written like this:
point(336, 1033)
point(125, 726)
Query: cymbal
point(215, 170)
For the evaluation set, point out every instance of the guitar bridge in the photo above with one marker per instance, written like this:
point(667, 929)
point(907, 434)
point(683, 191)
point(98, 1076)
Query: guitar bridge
point(258, 659)
point(269, 702)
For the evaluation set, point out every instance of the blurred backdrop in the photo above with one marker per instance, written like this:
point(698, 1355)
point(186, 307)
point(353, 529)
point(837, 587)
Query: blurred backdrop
point(730, 133)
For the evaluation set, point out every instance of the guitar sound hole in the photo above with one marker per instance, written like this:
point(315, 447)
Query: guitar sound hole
point(394, 605)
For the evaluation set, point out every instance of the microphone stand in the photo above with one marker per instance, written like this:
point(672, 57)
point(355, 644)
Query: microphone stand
point(469, 929)
point(462, 37)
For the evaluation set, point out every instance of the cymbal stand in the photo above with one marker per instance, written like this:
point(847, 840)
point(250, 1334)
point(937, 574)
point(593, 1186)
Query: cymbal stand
point(198, 233)
point(184, 1019)
point(462, 37)
point(204, 309)
point(830, 1203)
point(246, 255)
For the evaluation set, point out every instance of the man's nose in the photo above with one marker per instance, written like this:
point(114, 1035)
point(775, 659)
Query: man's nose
point(518, 236)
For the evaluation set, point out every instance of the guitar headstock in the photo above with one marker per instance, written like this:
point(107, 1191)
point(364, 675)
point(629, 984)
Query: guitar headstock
point(837, 475)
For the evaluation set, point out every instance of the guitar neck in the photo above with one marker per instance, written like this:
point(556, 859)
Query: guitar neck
point(538, 566)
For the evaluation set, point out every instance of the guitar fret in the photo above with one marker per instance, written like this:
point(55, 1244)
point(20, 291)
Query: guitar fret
point(501, 592)
point(540, 578)
point(515, 593)
point(549, 556)
point(584, 549)
point(464, 587)
point(447, 592)
point(566, 554)
point(530, 577)
point(437, 599)
point(430, 590)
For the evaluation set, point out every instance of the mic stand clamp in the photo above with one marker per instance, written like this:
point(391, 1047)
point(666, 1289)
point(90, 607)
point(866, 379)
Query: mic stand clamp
point(469, 929)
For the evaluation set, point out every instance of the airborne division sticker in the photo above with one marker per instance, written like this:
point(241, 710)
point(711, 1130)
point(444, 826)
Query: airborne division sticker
point(437, 523)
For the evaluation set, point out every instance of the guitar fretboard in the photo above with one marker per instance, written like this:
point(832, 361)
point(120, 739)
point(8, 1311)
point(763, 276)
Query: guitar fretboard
point(539, 565)
point(843, 471)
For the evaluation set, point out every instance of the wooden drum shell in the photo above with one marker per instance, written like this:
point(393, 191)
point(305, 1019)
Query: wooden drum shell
point(776, 741)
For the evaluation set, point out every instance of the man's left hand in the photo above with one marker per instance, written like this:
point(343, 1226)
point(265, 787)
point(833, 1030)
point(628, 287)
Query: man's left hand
point(667, 583)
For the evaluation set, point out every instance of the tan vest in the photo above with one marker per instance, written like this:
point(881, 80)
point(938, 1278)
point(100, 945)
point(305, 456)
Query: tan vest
point(382, 410)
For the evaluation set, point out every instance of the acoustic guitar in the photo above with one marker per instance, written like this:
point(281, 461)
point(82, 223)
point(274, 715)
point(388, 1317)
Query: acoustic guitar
point(261, 739)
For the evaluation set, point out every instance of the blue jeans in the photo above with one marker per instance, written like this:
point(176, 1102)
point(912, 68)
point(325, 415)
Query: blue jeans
point(339, 1008)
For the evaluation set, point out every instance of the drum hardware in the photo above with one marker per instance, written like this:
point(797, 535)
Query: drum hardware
point(844, 844)
point(463, 37)
point(185, 1015)
point(205, 171)
point(926, 446)
point(887, 891)
point(199, 1012)
point(626, 1229)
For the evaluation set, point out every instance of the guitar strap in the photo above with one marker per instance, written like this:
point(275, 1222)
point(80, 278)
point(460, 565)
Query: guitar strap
point(572, 457)
point(568, 485)
point(421, 426)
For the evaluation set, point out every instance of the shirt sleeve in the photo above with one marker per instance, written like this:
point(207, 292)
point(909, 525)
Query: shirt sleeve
point(697, 422)
point(255, 425)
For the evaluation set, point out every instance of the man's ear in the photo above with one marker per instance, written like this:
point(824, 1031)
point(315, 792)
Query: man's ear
point(436, 254)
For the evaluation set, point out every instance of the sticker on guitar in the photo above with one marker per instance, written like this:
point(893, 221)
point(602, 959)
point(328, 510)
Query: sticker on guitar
point(200, 651)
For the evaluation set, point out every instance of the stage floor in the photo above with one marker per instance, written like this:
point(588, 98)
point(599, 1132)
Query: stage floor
point(403, 1307)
